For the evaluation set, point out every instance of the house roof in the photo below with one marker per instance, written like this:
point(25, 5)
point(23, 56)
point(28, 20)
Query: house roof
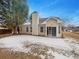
point(27, 22)
point(41, 20)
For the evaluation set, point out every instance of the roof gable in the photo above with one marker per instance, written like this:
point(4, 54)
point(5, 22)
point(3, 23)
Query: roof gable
point(56, 19)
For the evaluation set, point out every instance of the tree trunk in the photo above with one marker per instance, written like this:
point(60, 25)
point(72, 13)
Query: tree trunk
point(18, 30)
point(14, 30)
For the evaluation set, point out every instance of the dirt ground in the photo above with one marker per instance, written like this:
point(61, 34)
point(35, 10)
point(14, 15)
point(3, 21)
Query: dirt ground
point(6, 54)
point(72, 35)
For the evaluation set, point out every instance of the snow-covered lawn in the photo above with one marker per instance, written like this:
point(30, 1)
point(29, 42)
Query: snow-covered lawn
point(45, 47)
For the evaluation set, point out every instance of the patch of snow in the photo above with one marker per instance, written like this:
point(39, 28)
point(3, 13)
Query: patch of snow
point(16, 44)
point(43, 57)
point(15, 41)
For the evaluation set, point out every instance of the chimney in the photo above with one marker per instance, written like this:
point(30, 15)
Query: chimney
point(35, 23)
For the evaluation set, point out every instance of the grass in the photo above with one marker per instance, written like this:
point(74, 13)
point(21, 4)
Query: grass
point(5, 54)
point(76, 33)
point(72, 34)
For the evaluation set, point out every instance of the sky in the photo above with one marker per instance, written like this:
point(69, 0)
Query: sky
point(67, 10)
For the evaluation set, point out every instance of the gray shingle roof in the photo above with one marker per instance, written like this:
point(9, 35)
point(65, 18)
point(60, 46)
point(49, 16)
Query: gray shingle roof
point(42, 20)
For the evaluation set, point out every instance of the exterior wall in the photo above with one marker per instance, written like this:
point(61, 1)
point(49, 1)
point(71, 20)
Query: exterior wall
point(29, 32)
point(61, 30)
point(42, 33)
point(35, 22)
point(20, 28)
point(59, 34)
point(23, 29)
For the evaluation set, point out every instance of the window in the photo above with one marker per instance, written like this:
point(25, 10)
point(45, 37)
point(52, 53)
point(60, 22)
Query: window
point(30, 29)
point(27, 29)
point(41, 29)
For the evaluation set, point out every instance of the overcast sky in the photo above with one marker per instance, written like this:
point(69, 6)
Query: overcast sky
point(68, 10)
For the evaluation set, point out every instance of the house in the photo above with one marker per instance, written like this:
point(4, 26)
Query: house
point(51, 26)
point(68, 29)
point(71, 29)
